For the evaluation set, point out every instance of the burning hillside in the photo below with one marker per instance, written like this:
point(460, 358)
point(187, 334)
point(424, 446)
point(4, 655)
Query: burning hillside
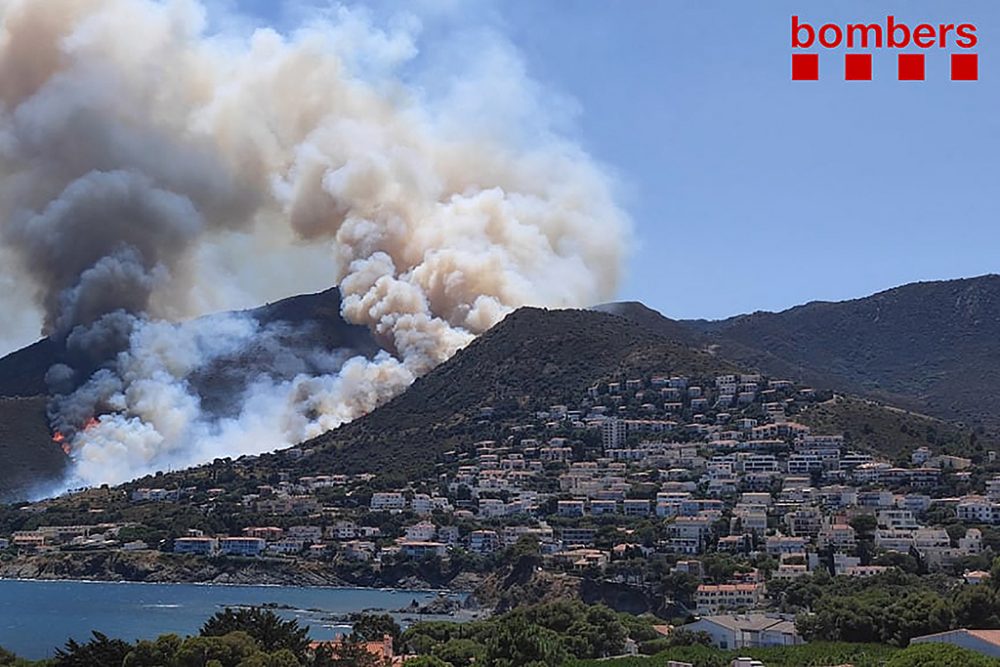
point(130, 203)
point(65, 442)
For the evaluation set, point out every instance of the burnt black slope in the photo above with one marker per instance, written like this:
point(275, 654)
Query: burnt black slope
point(932, 347)
point(27, 455)
point(321, 313)
point(22, 373)
point(533, 359)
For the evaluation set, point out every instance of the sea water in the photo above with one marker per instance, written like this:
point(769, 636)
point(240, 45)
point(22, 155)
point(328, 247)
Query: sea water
point(36, 617)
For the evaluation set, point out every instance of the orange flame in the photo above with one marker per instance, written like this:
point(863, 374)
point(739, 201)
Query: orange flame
point(60, 440)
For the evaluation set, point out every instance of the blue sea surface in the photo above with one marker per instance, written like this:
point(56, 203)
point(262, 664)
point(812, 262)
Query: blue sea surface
point(36, 617)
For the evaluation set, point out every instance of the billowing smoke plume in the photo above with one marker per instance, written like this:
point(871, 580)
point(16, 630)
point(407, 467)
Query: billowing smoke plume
point(151, 170)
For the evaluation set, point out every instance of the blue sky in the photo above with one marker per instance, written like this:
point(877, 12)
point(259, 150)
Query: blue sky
point(750, 191)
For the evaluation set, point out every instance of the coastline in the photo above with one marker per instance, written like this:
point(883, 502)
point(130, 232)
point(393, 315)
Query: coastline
point(104, 582)
point(153, 567)
point(459, 611)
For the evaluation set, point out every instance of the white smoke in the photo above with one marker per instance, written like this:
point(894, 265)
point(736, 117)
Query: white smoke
point(156, 419)
point(151, 171)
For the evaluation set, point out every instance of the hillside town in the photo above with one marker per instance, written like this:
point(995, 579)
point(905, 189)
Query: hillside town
point(712, 479)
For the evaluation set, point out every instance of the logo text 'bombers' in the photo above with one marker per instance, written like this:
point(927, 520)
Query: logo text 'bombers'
point(891, 34)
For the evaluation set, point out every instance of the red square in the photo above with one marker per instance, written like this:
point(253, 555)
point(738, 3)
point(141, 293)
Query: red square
point(805, 67)
point(911, 67)
point(964, 67)
point(858, 67)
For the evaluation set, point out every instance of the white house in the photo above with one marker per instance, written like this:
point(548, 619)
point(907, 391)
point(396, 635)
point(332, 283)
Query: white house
point(242, 546)
point(202, 546)
point(359, 550)
point(308, 534)
point(288, 546)
point(986, 642)
point(746, 631)
point(421, 532)
point(415, 549)
point(388, 502)
point(484, 541)
point(713, 598)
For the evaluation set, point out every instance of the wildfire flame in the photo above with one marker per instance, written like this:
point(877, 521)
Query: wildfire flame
point(60, 438)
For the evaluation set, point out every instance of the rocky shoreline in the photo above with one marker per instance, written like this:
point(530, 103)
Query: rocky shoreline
point(157, 567)
point(498, 592)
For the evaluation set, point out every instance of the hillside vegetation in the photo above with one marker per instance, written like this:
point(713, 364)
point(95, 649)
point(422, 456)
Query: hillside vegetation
point(654, 321)
point(531, 360)
point(819, 654)
point(930, 347)
point(891, 432)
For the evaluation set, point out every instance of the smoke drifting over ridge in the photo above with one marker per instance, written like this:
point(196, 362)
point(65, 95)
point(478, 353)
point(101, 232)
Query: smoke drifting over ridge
point(142, 158)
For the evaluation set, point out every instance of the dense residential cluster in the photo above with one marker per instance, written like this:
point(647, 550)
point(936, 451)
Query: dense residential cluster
point(683, 471)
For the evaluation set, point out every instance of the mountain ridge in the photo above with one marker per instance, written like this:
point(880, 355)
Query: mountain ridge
point(538, 357)
point(531, 360)
point(925, 346)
